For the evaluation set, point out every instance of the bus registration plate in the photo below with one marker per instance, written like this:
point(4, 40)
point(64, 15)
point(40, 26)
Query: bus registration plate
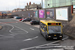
point(55, 38)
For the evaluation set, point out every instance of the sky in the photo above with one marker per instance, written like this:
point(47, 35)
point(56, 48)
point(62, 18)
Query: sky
point(74, 6)
point(9, 5)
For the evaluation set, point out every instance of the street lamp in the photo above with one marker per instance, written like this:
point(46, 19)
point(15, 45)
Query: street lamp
point(42, 3)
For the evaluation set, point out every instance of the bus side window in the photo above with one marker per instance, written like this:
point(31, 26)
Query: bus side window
point(45, 28)
point(40, 25)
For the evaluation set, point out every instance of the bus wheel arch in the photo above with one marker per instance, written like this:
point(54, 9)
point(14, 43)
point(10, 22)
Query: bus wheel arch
point(46, 37)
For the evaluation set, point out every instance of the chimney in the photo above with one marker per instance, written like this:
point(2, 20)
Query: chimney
point(33, 3)
point(27, 4)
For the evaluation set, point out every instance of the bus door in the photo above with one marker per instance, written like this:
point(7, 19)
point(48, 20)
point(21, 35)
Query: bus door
point(45, 30)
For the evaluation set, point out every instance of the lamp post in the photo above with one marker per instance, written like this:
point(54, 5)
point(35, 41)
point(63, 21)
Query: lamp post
point(42, 3)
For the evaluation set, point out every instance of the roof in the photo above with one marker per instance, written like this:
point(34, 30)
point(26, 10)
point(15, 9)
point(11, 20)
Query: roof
point(48, 21)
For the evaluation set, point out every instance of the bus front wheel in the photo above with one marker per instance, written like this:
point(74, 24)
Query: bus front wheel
point(40, 32)
point(46, 37)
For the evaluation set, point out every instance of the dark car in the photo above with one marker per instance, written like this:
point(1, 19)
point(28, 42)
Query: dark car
point(18, 17)
point(34, 22)
point(26, 19)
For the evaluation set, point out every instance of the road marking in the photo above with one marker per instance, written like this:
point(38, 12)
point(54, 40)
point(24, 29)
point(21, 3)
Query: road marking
point(40, 45)
point(9, 25)
point(22, 29)
point(31, 28)
point(11, 29)
point(15, 26)
point(65, 38)
point(30, 38)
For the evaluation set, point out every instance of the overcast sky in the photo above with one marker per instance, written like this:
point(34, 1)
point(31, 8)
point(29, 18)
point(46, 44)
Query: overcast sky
point(6, 5)
point(9, 5)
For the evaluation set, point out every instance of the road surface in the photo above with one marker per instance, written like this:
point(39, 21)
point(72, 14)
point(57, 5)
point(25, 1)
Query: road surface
point(17, 35)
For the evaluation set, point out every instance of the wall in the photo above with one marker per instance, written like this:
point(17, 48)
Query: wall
point(23, 13)
point(29, 13)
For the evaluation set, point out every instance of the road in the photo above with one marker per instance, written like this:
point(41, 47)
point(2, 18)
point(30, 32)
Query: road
point(16, 35)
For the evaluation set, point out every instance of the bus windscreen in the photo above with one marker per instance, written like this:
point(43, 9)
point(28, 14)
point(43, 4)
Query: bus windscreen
point(54, 29)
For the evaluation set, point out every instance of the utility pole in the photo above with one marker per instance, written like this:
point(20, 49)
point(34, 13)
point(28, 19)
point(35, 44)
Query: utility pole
point(19, 3)
point(42, 3)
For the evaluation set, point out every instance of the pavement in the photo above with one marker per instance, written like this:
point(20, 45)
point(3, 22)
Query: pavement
point(69, 29)
point(68, 42)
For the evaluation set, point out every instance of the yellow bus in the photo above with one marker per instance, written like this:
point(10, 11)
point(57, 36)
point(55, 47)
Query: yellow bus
point(51, 29)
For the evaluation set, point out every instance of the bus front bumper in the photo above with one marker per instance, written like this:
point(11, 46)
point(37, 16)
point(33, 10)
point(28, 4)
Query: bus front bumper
point(55, 36)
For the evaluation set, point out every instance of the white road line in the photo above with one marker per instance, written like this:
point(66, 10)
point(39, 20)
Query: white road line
point(31, 28)
point(11, 29)
point(15, 26)
point(30, 38)
point(22, 29)
point(27, 39)
point(40, 45)
point(65, 38)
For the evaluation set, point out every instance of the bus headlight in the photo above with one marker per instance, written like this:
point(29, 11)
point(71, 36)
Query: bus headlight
point(49, 36)
point(60, 36)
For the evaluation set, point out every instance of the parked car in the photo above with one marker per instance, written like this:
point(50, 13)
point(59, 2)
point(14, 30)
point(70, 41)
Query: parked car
point(26, 19)
point(34, 22)
point(18, 17)
point(21, 19)
point(15, 17)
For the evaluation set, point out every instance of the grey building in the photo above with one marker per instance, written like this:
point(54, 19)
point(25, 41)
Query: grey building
point(33, 6)
point(17, 10)
point(58, 3)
